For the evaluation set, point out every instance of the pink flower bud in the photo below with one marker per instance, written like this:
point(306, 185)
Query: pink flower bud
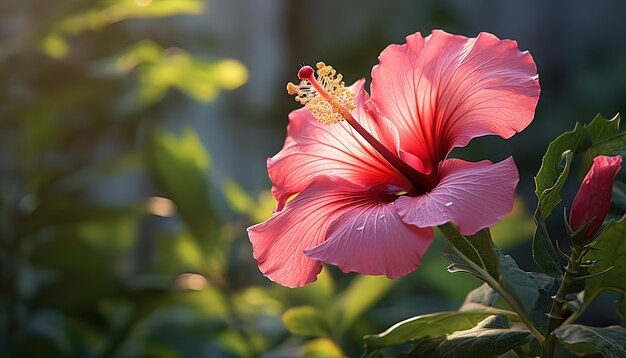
point(593, 200)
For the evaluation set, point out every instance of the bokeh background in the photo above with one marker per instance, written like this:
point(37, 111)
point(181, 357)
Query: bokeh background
point(133, 140)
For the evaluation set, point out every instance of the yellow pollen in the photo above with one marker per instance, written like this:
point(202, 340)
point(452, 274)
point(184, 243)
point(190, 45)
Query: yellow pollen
point(330, 101)
point(292, 89)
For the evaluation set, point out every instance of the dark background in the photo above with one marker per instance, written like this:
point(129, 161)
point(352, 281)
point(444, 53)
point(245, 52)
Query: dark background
point(94, 126)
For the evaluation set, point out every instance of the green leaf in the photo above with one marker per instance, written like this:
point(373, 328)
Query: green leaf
point(490, 338)
point(480, 298)
point(119, 10)
point(609, 250)
point(544, 253)
point(601, 129)
point(601, 136)
point(160, 69)
point(574, 141)
point(478, 248)
point(180, 166)
point(427, 326)
point(321, 348)
point(609, 341)
point(532, 290)
point(551, 197)
point(306, 321)
point(527, 293)
point(362, 293)
point(600, 132)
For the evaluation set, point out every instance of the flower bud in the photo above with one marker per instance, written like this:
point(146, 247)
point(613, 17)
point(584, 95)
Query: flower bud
point(593, 200)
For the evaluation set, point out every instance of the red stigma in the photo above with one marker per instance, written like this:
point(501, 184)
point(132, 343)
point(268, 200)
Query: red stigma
point(305, 72)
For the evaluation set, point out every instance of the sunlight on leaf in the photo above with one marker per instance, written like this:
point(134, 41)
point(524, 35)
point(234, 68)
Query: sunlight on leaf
point(489, 338)
point(241, 203)
point(55, 46)
point(234, 342)
point(320, 293)
point(160, 69)
point(237, 198)
point(362, 293)
point(178, 253)
point(306, 321)
point(321, 348)
point(109, 12)
point(119, 10)
point(255, 301)
point(515, 228)
point(180, 166)
point(143, 52)
point(433, 325)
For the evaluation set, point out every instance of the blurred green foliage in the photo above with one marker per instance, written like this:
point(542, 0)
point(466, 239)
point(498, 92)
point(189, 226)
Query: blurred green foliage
point(120, 236)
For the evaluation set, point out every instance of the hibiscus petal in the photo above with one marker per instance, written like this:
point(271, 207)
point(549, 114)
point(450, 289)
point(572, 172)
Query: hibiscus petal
point(443, 90)
point(313, 149)
point(372, 239)
point(472, 195)
point(279, 242)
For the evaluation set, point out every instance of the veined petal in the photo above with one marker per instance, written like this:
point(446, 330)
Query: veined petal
point(472, 195)
point(443, 90)
point(371, 239)
point(279, 242)
point(313, 149)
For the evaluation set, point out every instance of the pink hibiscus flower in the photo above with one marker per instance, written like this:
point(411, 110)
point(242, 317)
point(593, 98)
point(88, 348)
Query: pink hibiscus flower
point(372, 176)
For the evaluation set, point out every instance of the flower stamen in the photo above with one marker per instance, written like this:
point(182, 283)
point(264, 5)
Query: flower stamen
point(325, 95)
point(330, 101)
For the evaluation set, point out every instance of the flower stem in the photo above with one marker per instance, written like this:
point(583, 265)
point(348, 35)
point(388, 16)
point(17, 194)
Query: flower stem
point(559, 300)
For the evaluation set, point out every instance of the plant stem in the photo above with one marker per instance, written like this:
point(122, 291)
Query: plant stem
point(559, 300)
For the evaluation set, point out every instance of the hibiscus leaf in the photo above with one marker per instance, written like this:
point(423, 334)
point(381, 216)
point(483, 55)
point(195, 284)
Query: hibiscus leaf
point(533, 291)
point(427, 326)
point(601, 136)
point(490, 338)
point(602, 130)
point(575, 140)
point(527, 293)
point(306, 321)
point(480, 298)
point(579, 339)
point(610, 251)
point(478, 248)
point(551, 197)
point(544, 252)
